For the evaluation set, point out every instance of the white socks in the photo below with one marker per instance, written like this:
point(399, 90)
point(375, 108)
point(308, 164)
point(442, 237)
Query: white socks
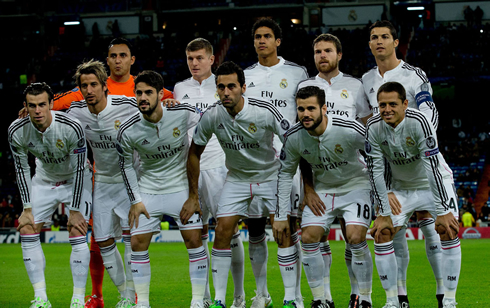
point(79, 262)
point(35, 263)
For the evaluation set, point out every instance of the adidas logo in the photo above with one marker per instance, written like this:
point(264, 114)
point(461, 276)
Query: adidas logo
point(145, 142)
point(371, 91)
point(384, 143)
point(251, 85)
point(306, 152)
point(186, 97)
point(87, 128)
point(221, 126)
point(31, 145)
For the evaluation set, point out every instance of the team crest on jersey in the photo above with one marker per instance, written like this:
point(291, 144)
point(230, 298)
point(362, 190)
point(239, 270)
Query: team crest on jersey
point(117, 123)
point(81, 143)
point(216, 96)
point(367, 147)
point(176, 132)
point(60, 144)
point(252, 128)
point(285, 124)
point(344, 94)
point(430, 142)
point(283, 84)
point(410, 142)
point(339, 149)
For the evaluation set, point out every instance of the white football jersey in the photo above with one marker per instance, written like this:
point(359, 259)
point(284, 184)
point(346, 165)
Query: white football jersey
point(246, 139)
point(344, 97)
point(413, 155)
point(60, 153)
point(276, 84)
point(101, 133)
point(162, 148)
point(416, 83)
point(334, 159)
point(202, 95)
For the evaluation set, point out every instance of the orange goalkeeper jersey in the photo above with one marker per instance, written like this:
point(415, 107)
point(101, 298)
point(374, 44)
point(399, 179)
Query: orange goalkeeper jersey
point(63, 100)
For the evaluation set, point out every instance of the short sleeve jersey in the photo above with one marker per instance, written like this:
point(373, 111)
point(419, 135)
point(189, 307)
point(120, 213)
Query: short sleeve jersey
point(101, 133)
point(246, 138)
point(162, 148)
point(416, 83)
point(202, 95)
point(60, 153)
point(276, 84)
point(344, 96)
point(333, 156)
point(412, 152)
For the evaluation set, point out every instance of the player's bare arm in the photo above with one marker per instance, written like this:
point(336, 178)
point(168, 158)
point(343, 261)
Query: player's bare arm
point(191, 205)
point(383, 230)
point(447, 226)
point(281, 231)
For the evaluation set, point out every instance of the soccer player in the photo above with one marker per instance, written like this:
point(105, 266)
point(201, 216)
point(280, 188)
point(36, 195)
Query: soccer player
point(101, 115)
point(330, 144)
point(120, 58)
point(274, 79)
point(244, 128)
point(344, 96)
point(159, 135)
point(62, 176)
point(200, 91)
point(383, 42)
point(421, 181)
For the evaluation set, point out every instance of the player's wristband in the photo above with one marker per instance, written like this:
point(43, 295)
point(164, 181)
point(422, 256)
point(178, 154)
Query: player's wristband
point(27, 206)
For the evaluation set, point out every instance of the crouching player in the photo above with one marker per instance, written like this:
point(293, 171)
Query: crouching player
point(331, 147)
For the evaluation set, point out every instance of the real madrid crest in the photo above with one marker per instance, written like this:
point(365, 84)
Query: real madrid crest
point(60, 144)
point(216, 96)
point(252, 128)
point(176, 132)
point(283, 84)
point(117, 123)
point(339, 149)
point(410, 142)
point(344, 94)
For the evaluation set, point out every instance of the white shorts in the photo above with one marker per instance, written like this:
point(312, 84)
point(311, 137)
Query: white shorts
point(166, 204)
point(211, 184)
point(110, 210)
point(422, 200)
point(46, 197)
point(236, 199)
point(353, 206)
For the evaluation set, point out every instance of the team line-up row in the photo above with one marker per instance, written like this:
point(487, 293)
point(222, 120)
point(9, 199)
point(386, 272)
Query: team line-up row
point(217, 140)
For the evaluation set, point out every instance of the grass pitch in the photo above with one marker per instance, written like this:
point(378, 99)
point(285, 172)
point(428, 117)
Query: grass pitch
point(170, 283)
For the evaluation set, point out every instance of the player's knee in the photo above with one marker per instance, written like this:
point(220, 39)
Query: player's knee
point(355, 238)
point(27, 230)
point(106, 243)
point(444, 235)
point(193, 239)
point(384, 237)
point(309, 237)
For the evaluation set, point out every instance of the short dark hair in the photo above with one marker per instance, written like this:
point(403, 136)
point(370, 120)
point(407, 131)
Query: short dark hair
point(198, 44)
point(229, 68)
point(384, 24)
point(269, 23)
point(327, 37)
point(121, 41)
point(151, 78)
point(310, 91)
point(38, 88)
point(393, 86)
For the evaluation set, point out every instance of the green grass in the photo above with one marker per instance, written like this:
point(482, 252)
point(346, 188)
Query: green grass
point(170, 285)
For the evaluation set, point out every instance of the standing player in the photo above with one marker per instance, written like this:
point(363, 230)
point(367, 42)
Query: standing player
point(159, 135)
point(344, 96)
point(330, 144)
point(274, 79)
point(62, 176)
point(383, 42)
point(421, 181)
point(244, 128)
point(101, 116)
point(200, 91)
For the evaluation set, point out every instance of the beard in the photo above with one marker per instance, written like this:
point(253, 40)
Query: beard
point(150, 108)
point(316, 123)
point(330, 68)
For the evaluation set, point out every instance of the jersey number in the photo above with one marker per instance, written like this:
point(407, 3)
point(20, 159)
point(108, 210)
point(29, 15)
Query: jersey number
point(366, 213)
point(296, 202)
